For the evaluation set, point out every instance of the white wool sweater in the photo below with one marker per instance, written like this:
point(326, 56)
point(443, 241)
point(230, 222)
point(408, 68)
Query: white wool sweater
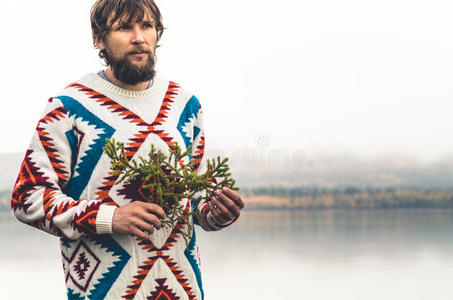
point(66, 188)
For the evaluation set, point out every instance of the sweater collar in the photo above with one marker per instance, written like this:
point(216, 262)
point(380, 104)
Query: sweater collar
point(151, 91)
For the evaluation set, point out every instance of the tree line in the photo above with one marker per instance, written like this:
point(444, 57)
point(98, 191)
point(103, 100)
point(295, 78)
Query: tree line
point(348, 197)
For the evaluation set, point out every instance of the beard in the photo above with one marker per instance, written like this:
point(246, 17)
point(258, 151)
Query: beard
point(129, 73)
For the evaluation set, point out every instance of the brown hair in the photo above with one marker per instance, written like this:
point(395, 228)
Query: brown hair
point(106, 12)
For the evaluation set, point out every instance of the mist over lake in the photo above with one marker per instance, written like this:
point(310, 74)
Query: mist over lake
point(319, 255)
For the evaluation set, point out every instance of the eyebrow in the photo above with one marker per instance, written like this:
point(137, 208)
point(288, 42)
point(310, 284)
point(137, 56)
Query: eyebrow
point(126, 19)
point(119, 23)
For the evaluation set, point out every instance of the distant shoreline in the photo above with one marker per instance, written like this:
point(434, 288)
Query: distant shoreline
point(310, 198)
point(316, 198)
point(256, 209)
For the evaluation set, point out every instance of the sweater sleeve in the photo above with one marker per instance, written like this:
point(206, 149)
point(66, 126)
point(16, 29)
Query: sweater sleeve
point(39, 197)
point(207, 221)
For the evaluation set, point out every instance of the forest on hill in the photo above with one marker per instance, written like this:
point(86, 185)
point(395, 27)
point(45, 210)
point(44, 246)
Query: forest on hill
point(346, 198)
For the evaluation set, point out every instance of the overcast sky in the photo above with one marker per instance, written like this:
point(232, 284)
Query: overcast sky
point(369, 77)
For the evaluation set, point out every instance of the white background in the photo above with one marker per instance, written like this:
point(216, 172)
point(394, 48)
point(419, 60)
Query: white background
point(369, 77)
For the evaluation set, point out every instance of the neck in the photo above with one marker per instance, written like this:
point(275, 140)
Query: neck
point(141, 86)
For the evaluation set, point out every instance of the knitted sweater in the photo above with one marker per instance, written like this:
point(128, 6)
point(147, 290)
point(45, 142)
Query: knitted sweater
point(66, 188)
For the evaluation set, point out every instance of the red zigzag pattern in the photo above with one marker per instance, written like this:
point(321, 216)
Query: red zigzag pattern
point(147, 265)
point(146, 129)
point(47, 143)
point(131, 149)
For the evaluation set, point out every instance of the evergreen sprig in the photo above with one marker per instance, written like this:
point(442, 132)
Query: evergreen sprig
point(166, 179)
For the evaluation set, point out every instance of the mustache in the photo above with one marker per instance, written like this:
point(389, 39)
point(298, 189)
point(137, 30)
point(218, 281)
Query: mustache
point(139, 51)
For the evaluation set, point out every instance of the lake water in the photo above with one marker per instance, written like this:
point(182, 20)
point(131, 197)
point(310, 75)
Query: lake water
point(393, 254)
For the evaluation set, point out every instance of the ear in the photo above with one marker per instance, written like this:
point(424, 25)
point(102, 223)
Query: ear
point(99, 43)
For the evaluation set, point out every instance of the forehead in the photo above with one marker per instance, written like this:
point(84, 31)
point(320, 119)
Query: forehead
point(131, 16)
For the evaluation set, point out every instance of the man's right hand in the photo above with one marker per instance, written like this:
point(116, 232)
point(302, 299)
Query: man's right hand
point(137, 217)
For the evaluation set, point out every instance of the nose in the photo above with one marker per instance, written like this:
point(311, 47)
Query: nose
point(138, 37)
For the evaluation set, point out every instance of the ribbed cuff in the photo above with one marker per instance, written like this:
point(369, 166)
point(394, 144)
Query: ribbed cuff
point(104, 219)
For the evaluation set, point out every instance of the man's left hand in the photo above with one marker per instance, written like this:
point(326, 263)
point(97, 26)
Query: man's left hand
point(226, 205)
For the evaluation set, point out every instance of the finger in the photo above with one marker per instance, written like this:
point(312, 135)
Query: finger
point(224, 212)
point(233, 196)
point(216, 213)
point(155, 209)
point(138, 233)
point(150, 219)
point(144, 226)
point(228, 203)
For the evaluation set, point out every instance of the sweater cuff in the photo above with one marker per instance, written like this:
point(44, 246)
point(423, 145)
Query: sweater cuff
point(104, 219)
point(216, 224)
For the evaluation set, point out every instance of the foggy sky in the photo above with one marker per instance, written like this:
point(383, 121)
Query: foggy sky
point(365, 77)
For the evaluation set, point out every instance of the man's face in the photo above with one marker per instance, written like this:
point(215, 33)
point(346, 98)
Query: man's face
point(130, 50)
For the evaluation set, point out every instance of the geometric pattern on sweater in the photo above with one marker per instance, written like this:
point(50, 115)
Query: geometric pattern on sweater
point(105, 282)
point(191, 254)
point(135, 143)
point(187, 119)
point(137, 140)
point(29, 175)
point(160, 255)
point(199, 152)
point(187, 130)
point(87, 265)
point(43, 130)
point(84, 262)
point(90, 157)
point(162, 291)
point(72, 295)
point(65, 180)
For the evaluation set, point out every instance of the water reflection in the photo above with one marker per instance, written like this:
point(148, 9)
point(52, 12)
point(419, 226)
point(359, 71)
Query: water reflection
point(400, 254)
point(394, 254)
point(339, 235)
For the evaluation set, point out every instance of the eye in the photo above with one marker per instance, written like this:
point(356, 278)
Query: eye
point(148, 25)
point(122, 27)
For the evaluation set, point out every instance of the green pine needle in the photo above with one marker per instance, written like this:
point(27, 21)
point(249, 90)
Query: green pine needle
point(168, 181)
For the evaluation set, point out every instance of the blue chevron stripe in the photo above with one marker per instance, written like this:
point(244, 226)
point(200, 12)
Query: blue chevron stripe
point(196, 131)
point(190, 111)
point(100, 290)
point(90, 159)
point(72, 140)
point(191, 258)
point(66, 242)
point(72, 296)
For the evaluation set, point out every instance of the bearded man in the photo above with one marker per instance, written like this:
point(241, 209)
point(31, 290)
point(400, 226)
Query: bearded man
point(114, 246)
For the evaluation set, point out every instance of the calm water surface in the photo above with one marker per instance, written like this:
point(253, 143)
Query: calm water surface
point(400, 254)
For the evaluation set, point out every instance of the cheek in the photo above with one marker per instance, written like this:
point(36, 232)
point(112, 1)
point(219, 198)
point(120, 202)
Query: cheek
point(152, 38)
point(116, 48)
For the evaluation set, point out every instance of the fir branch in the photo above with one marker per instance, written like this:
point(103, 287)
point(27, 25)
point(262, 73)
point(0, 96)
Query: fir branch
point(169, 180)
